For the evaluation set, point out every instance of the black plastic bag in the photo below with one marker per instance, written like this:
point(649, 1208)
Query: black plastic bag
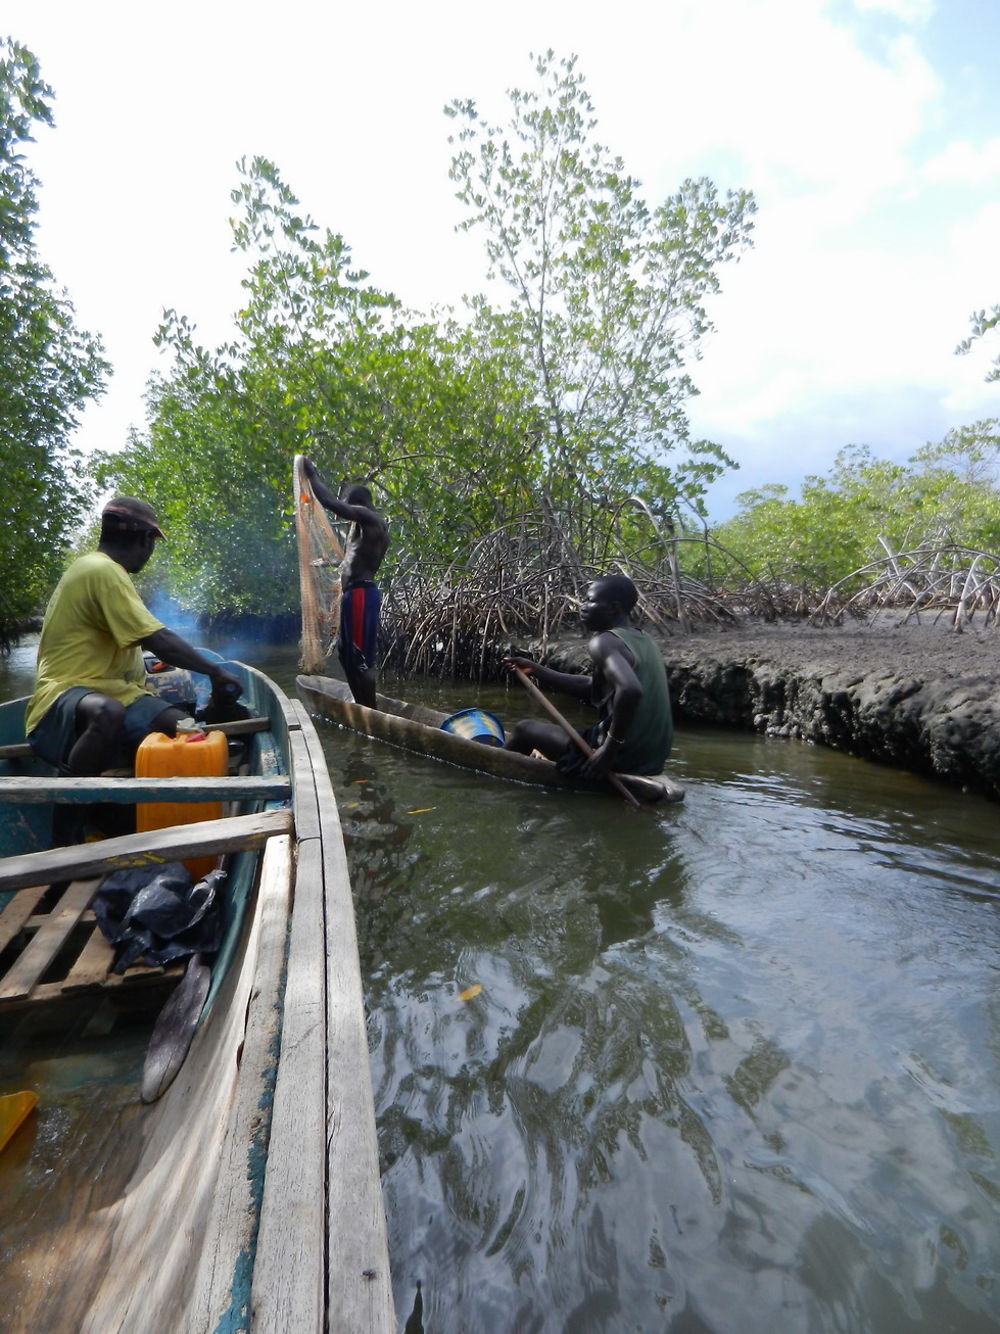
point(154, 914)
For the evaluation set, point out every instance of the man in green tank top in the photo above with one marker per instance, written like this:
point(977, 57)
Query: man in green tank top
point(628, 687)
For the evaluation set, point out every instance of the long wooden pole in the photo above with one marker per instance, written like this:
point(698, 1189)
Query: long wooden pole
point(571, 731)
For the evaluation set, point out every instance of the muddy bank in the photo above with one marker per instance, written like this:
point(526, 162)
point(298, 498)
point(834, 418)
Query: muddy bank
point(918, 697)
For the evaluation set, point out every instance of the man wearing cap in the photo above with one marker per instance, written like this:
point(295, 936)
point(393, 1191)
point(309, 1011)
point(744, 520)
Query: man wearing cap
point(90, 700)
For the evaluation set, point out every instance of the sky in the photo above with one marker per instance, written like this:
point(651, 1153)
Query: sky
point(868, 131)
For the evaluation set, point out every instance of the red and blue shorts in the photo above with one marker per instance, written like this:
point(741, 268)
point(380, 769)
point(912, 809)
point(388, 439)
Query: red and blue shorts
point(357, 644)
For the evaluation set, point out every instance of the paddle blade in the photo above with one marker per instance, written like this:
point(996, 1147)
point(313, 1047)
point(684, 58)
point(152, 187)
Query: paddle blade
point(174, 1029)
point(14, 1107)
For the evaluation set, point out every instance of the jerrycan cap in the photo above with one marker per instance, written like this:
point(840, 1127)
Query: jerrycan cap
point(188, 730)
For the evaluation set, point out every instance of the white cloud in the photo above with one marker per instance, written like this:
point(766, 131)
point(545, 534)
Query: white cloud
point(909, 11)
point(963, 163)
point(977, 237)
point(777, 83)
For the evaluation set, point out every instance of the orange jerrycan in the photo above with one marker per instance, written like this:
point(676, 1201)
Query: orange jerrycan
point(189, 755)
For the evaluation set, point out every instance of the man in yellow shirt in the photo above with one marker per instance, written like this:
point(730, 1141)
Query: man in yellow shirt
point(90, 700)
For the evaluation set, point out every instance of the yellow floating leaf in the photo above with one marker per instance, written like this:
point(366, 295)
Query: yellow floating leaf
point(14, 1107)
point(469, 992)
point(422, 810)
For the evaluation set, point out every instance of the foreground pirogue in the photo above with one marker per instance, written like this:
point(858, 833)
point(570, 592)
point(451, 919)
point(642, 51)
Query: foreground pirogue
point(246, 1193)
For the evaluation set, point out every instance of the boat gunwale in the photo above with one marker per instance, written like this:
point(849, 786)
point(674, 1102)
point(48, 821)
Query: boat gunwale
point(395, 722)
point(212, 1248)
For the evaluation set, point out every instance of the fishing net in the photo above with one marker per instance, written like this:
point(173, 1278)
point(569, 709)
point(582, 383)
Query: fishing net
point(320, 555)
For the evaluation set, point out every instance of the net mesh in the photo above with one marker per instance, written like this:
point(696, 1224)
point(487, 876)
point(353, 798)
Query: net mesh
point(320, 555)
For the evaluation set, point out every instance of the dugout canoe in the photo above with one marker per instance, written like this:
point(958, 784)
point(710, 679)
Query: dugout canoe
point(417, 728)
point(247, 1196)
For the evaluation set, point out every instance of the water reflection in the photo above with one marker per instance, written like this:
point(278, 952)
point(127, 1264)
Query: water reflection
point(730, 1066)
point(733, 1065)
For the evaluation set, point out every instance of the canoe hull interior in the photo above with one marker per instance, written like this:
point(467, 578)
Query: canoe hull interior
point(416, 728)
point(227, 1194)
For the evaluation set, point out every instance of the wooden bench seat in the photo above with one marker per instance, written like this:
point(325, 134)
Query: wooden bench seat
point(67, 928)
point(74, 791)
point(173, 843)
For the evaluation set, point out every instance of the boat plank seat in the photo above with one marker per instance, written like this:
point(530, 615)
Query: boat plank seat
point(17, 913)
point(20, 750)
point(134, 979)
point(248, 787)
point(48, 940)
point(87, 956)
point(92, 964)
point(172, 843)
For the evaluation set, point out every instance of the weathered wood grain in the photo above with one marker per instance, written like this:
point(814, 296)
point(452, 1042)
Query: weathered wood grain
point(161, 1235)
point(173, 843)
point(35, 958)
point(290, 1272)
point(77, 791)
point(245, 1151)
point(92, 964)
point(18, 912)
point(359, 1296)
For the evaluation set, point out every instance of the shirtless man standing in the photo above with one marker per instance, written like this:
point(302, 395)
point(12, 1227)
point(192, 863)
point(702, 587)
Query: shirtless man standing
point(361, 598)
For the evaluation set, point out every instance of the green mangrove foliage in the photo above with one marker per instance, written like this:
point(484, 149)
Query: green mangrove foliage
point(326, 364)
point(605, 296)
point(947, 494)
point(224, 423)
point(538, 429)
point(49, 368)
point(982, 322)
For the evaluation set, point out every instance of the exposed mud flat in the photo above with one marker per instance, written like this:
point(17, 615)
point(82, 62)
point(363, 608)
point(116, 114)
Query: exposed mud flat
point(919, 696)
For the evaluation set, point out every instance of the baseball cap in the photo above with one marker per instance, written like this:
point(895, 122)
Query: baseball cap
point(132, 513)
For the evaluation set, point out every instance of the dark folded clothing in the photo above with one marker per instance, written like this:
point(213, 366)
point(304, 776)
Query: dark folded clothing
point(153, 915)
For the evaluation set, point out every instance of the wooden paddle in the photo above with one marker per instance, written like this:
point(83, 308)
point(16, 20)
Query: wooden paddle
point(174, 1029)
point(571, 731)
point(177, 1022)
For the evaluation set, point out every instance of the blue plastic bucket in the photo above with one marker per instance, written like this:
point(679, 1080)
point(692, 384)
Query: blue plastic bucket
point(475, 725)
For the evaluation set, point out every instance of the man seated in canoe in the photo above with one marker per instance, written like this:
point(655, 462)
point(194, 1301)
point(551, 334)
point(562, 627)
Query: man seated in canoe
point(90, 701)
point(361, 598)
point(628, 687)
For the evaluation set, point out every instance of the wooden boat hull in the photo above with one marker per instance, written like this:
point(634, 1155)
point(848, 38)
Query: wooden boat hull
point(248, 1196)
point(414, 727)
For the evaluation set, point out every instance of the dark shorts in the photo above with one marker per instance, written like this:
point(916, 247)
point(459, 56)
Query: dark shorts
point(572, 760)
point(357, 644)
point(54, 737)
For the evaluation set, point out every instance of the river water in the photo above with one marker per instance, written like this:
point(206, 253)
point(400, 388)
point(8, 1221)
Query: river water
point(731, 1066)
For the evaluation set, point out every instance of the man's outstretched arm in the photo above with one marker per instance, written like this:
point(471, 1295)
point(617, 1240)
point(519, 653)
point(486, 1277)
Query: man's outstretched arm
point(356, 513)
point(169, 647)
point(568, 682)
